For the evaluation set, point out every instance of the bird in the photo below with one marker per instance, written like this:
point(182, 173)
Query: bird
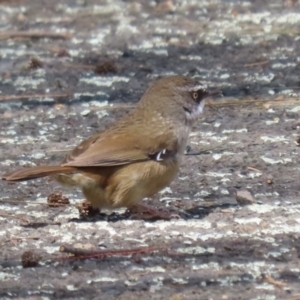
point(138, 155)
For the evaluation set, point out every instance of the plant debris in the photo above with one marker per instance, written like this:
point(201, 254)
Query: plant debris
point(105, 67)
point(86, 209)
point(55, 200)
point(35, 63)
point(30, 259)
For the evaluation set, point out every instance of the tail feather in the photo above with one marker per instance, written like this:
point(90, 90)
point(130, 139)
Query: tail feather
point(36, 172)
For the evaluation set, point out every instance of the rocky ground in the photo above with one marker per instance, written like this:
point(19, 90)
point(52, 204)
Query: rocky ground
point(70, 68)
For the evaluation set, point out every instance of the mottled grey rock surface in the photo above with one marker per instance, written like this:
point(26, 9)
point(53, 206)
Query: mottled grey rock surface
point(219, 249)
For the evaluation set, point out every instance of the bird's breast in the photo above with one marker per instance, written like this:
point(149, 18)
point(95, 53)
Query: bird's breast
point(182, 137)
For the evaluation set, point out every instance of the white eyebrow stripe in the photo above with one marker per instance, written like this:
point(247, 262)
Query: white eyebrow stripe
point(192, 88)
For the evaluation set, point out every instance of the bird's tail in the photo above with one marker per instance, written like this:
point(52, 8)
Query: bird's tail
point(36, 172)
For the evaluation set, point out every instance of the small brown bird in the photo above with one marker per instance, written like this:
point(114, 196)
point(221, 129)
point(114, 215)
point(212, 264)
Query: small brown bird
point(137, 156)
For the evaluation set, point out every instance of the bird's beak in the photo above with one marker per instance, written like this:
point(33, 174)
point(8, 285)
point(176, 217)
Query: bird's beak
point(212, 94)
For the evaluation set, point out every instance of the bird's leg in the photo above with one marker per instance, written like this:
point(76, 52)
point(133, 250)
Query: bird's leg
point(143, 211)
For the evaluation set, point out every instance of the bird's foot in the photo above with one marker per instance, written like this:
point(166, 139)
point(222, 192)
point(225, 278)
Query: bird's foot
point(145, 212)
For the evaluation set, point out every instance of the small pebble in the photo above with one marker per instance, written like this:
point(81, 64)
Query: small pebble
point(244, 197)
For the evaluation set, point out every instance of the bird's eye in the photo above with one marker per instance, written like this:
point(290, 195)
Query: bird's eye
point(195, 95)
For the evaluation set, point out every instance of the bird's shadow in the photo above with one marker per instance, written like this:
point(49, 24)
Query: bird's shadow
point(195, 213)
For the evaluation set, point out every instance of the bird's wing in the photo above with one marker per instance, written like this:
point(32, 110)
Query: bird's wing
point(117, 149)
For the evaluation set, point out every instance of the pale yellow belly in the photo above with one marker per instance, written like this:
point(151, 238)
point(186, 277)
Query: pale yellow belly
point(130, 185)
point(113, 187)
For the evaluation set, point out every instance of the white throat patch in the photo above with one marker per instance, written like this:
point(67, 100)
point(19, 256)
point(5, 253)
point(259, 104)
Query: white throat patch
point(197, 111)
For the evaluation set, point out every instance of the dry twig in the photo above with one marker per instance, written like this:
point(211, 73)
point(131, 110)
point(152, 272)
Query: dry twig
point(34, 34)
point(242, 102)
point(37, 96)
point(33, 202)
point(274, 282)
point(4, 215)
point(261, 63)
point(254, 169)
point(24, 237)
point(99, 253)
